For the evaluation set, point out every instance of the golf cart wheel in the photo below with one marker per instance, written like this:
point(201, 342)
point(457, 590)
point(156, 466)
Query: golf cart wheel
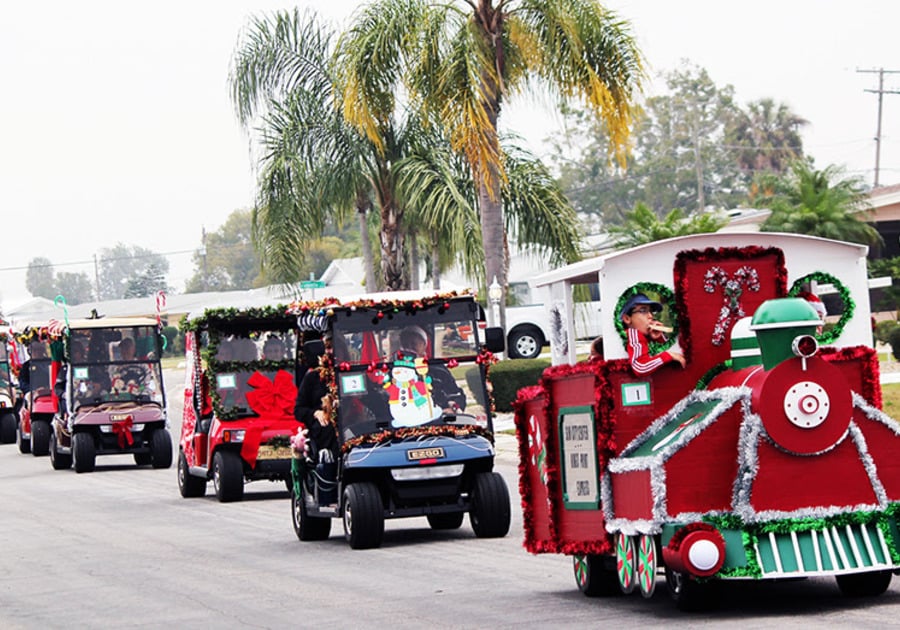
point(595, 575)
point(864, 584)
point(688, 594)
point(161, 449)
point(490, 512)
point(228, 476)
point(7, 428)
point(142, 459)
point(59, 461)
point(40, 437)
point(447, 520)
point(525, 343)
point(23, 443)
point(188, 485)
point(363, 516)
point(305, 526)
point(84, 452)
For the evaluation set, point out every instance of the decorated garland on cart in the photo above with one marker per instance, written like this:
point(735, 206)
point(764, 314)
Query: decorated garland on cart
point(820, 277)
point(666, 298)
point(416, 432)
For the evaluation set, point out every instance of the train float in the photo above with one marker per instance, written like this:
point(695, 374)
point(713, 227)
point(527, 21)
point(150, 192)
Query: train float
point(767, 456)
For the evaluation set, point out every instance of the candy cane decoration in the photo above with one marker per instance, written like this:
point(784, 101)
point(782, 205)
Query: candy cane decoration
point(58, 329)
point(160, 305)
point(732, 289)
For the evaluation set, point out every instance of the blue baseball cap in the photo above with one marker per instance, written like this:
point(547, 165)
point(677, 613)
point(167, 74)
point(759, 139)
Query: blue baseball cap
point(638, 299)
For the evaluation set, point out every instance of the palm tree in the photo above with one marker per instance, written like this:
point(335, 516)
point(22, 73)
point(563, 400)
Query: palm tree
point(819, 203)
point(642, 226)
point(768, 135)
point(463, 62)
point(315, 166)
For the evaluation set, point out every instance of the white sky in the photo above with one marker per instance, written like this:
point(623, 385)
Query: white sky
point(116, 124)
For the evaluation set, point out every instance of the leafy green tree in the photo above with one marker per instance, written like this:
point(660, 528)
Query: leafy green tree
point(42, 281)
point(39, 278)
point(230, 261)
point(120, 264)
point(643, 226)
point(77, 288)
point(463, 63)
point(147, 282)
point(818, 203)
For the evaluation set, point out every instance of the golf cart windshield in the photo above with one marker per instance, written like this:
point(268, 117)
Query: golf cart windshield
point(234, 357)
point(410, 369)
point(39, 366)
point(115, 364)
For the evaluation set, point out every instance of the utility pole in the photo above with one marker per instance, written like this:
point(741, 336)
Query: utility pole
point(203, 254)
point(97, 277)
point(880, 92)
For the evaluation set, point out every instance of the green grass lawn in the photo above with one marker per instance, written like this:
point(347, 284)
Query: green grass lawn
point(891, 395)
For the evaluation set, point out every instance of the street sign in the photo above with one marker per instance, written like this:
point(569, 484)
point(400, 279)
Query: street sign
point(312, 284)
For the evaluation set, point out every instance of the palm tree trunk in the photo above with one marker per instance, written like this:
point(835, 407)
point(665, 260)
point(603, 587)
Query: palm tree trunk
point(413, 246)
point(490, 20)
point(363, 205)
point(435, 264)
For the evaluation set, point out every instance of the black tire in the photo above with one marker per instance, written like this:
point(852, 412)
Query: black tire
point(363, 516)
point(23, 444)
point(59, 461)
point(595, 575)
point(188, 485)
point(84, 452)
point(446, 520)
point(161, 449)
point(525, 343)
point(490, 512)
point(864, 584)
point(40, 437)
point(8, 423)
point(228, 476)
point(142, 459)
point(688, 594)
point(305, 526)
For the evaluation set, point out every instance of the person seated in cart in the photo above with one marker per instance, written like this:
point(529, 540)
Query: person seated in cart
point(446, 393)
point(638, 315)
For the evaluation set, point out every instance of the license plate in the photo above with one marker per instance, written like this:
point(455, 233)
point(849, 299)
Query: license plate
point(119, 417)
point(267, 451)
point(415, 454)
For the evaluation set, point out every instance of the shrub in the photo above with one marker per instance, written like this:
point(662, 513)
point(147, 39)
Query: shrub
point(894, 340)
point(883, 330)
point(508, 377)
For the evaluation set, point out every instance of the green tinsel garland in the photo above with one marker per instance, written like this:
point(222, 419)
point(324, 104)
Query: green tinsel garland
point(828, 336)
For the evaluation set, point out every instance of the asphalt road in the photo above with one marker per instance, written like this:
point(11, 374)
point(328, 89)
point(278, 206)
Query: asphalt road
point(120, 548)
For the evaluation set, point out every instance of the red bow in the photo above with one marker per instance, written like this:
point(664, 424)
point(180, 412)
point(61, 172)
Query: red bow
point(272, 397)
point(123, 432)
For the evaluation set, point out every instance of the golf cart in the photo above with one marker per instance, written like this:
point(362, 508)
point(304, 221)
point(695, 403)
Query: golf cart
point(9, 419)
point(36, 376)
point(413, 427)
point(112, 399)
point(239, 401)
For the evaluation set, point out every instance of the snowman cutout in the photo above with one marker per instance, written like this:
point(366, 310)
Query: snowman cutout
point(409, 393)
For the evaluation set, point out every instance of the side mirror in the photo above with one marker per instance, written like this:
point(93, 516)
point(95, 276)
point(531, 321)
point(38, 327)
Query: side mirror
point(494, 339)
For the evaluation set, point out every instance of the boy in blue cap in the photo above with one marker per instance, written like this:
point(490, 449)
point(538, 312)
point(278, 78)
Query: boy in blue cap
point(638, 315)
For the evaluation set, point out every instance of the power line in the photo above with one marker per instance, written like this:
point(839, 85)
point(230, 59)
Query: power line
point(91, 262)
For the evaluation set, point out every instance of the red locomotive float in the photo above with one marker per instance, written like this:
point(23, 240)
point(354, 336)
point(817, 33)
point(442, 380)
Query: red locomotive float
point(766, 456)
